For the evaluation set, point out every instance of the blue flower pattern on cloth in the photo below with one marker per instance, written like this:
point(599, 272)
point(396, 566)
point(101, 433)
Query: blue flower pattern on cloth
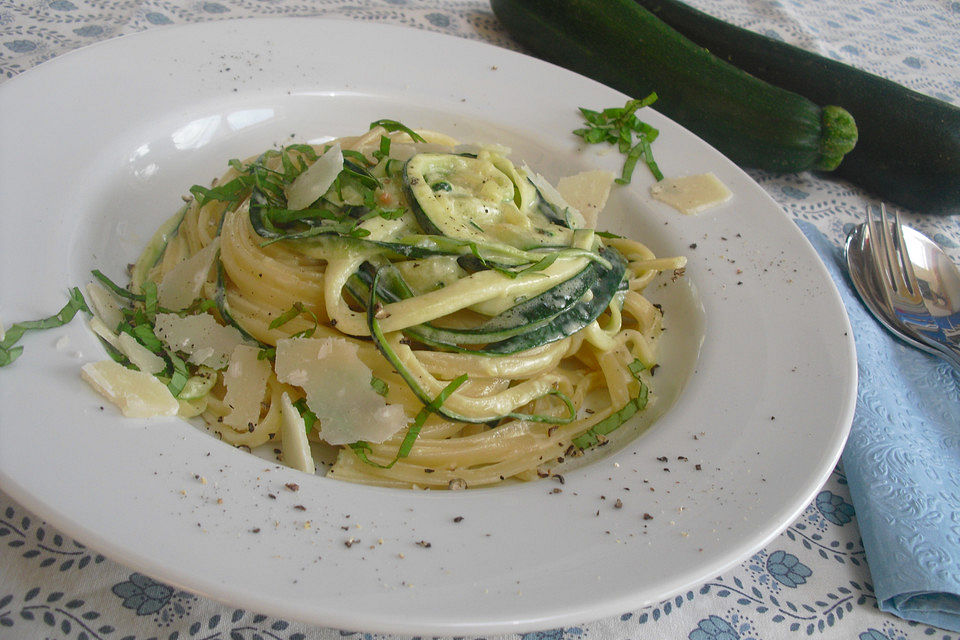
point(787, 569)
point(834, 508)
point(810, 582)
point(143, 595)
point(714, 628)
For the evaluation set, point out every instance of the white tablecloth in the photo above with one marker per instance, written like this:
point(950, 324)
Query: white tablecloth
point(811, 581)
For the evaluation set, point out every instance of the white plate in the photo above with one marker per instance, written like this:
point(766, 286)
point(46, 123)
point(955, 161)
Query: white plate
point(97, 146)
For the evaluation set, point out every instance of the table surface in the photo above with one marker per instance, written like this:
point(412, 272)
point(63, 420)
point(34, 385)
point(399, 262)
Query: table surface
point(811, 581)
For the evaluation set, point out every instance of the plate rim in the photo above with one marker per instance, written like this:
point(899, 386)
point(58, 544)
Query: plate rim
point(23, 495)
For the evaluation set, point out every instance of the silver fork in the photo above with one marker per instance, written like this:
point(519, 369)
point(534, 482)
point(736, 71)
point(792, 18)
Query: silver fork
point(901, 290)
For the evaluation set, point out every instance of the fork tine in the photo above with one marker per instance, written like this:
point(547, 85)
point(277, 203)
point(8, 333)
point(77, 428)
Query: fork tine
point(878, 253)
point(906, 313)
point(892, 250)
point(906, 264)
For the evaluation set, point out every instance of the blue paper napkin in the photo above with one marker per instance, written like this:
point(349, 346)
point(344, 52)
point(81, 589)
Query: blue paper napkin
point(902, 462)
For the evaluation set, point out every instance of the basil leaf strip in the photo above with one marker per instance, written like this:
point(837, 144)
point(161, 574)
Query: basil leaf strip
point(360, 448)
point(393, 125)
point(618, 126)
point(180, 373)
point(612, 422)
point(309, 417)
point(9, 352)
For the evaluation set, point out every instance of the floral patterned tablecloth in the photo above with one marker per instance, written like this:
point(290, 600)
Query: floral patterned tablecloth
point(811, 581)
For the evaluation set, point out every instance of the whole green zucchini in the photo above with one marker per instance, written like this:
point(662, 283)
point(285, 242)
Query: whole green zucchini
point(909, 147)
point(621, 44)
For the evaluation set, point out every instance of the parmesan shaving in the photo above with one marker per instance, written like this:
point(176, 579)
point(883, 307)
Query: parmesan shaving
point(588, 192)
point(141, 357)
point(137, 394)
point(554, 196)
point(691, 194)
point(183, 284)
point(207, 342)
point(314, 182)
point(293, 434)
point(99, 328)
point(104, 305)
point(337, 386)
point(246, 382)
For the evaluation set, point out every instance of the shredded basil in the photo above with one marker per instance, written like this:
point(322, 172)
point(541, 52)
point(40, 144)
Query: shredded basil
point(8, 349)
point(355, 156)
point(380, 386)
point(309, 417)
point(612, 422)
point(180, 374)
point(116, 289)
point(393, 125)
point(288, 315)
point(432, 407)
point(361, 448)
point(333, 214)
point(116, 355)
point(620, 126)
point(200, 305)
point(304, 149)
point(231, 192)
point(384, 150)
point(150, 301)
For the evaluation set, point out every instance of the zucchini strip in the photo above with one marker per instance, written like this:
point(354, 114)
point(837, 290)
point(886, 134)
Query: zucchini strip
point(156, 248)
point(223, 307)
point(575, 318)
point(519, 319)
point(515, 396)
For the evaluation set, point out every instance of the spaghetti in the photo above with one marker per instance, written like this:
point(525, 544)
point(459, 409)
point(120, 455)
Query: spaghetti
point(435, 315)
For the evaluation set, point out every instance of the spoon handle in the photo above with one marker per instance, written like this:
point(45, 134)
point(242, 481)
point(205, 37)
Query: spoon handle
point(948, 351)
